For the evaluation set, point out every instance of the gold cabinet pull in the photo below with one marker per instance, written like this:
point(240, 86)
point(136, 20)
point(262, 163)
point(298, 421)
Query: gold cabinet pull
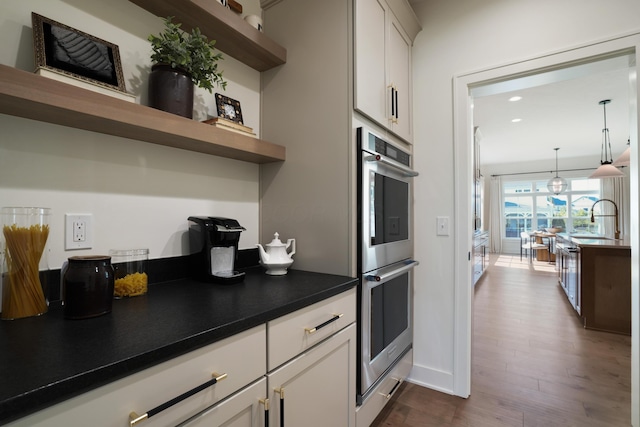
point(135, 419)
point(265, 403)
point(393, 390)
point(323, 324)
point(280, 391)
point(394, 103)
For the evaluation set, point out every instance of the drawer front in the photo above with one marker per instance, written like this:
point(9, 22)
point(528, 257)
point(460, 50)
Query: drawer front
point(382, 393)
point(292, 334)
point(242, 357)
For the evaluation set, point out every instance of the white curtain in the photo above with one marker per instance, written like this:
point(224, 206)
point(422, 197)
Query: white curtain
point(495, 215)
point(616, 189)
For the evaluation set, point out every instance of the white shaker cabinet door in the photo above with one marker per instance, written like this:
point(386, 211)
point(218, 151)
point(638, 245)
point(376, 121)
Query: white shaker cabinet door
point(399, 60)
point(317, 388)
point(372, 95)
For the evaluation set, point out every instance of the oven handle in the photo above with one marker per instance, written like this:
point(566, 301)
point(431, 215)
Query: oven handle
point(388, 276)
point(406, 171)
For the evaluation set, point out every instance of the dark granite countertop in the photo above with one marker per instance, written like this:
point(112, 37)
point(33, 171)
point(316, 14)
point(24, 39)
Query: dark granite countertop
point(47, 359)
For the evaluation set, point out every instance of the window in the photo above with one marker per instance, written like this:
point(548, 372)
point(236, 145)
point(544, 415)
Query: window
point(528, 206)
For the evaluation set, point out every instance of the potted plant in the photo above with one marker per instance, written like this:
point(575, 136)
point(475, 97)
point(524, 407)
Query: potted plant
point(181, 60)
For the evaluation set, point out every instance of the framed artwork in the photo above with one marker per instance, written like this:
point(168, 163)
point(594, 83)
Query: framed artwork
point(228, 108)
point(66, 50)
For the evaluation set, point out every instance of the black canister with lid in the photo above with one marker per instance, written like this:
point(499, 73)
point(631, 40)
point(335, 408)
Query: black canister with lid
point(88, 287)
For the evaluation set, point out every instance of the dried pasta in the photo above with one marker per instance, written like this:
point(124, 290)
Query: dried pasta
point(131, 285)
point(22, 293)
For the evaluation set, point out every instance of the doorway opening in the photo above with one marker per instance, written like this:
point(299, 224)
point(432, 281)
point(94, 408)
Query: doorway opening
point(464, 87)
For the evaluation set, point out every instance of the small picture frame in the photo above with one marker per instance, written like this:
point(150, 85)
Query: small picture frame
point(229, 108)
point(72, 52)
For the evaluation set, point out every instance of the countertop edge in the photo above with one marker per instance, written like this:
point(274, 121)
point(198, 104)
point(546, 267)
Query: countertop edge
point(596, 242)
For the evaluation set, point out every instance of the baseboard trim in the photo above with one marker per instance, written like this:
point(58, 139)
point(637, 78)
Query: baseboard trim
point(431, 378)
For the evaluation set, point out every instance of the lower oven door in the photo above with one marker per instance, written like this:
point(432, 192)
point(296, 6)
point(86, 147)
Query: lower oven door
point(386, 320)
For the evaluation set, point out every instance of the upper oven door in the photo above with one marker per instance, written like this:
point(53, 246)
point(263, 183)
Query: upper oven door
point(386, 206)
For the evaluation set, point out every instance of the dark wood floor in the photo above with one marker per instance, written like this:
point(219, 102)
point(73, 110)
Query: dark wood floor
point(533, 364)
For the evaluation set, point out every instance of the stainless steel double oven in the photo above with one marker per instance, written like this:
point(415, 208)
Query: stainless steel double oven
point(385, 263)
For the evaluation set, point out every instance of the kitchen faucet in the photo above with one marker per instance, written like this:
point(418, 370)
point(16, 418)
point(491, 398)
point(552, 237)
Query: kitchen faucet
point(593, 219)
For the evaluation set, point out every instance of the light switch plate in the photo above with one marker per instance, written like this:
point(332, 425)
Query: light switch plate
point(442, 226)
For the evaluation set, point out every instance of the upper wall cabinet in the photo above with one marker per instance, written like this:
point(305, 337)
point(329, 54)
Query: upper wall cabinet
point(232, 34)
point(384, 34)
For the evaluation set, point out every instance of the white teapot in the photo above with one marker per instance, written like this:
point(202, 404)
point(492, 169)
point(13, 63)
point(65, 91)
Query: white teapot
point(276, 259)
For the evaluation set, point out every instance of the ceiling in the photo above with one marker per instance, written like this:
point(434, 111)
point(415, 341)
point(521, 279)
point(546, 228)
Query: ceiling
point(558, 109)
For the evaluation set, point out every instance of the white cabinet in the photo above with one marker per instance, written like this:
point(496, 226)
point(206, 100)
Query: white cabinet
point(372, 95)
point(317, 388)
point(111, 405)
point(383, 87)
point(316, 384)
point(480, 254)
point(294, 333)
point(311, 371)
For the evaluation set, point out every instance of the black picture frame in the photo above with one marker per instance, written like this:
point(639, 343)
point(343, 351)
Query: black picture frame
point(229, 108)
point(69, 51)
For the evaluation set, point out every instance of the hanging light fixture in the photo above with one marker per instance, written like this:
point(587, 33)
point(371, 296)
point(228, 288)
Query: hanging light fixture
point(625, 157)
point(606, 169)
point(557, 185)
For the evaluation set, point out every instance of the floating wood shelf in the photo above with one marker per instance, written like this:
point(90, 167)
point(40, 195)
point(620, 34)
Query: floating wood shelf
point(28, 95)
point(233, 35)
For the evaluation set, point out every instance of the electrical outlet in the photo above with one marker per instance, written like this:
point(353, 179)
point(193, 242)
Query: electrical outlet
point(78, 231)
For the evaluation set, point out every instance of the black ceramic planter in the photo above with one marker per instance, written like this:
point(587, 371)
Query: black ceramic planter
point(171, 90)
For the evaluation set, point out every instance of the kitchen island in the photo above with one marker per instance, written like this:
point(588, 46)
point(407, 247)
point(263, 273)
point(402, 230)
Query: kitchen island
point(48, 359)
point(595, 273)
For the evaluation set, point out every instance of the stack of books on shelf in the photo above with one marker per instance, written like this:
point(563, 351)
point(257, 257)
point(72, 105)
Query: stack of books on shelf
point(229, 125)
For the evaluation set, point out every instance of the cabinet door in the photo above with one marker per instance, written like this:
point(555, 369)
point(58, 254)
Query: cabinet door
point(243, 409)
point(371, 93)
point(399, 62)
point(317, 388)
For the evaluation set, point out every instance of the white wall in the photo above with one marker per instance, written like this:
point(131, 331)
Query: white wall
point(457, 38)
point(140, 194)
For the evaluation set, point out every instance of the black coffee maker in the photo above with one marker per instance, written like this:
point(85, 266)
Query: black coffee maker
point(213, 244)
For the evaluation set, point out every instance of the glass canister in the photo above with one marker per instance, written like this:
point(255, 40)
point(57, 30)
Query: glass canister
point(88, 287)
point(130, 266)
point(24, 241)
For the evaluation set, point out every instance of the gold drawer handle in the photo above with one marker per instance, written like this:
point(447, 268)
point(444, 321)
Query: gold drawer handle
point(280, 391)
point(393, 390)
point(265, 402)
point(134, 418)
point(322, 325)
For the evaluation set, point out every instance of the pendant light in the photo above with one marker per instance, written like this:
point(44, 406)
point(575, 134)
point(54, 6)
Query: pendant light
point(625, 157)
point(606, 169)
point(557, 185)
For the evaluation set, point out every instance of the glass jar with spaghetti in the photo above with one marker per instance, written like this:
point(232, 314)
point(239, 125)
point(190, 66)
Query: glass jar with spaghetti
point(130, 268)
point(24, 260)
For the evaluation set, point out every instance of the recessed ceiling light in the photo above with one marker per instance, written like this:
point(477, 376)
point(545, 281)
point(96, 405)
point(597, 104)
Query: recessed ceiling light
point(515, 98)
point(516, 120)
